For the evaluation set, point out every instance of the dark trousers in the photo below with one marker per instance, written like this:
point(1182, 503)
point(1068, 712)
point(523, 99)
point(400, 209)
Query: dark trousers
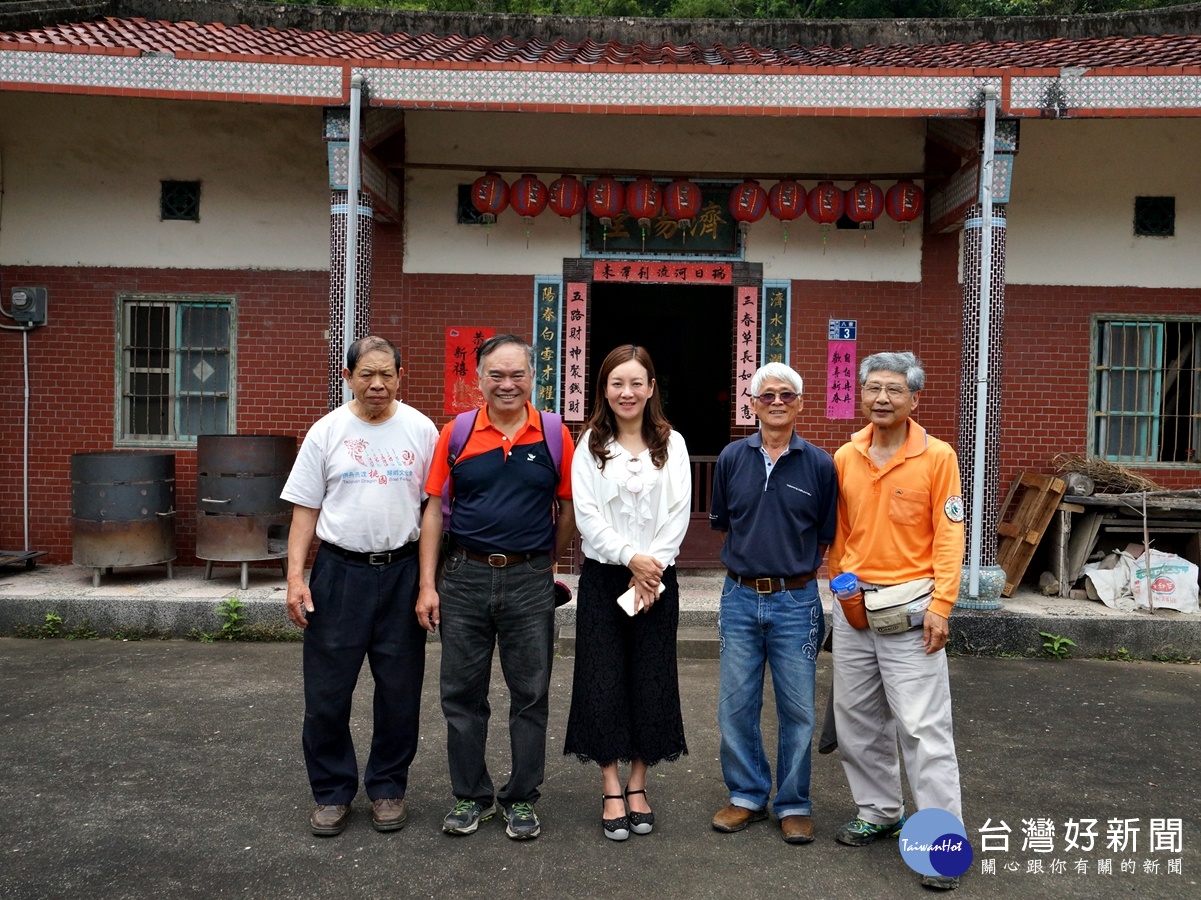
point(514, 609)
point(361, 610)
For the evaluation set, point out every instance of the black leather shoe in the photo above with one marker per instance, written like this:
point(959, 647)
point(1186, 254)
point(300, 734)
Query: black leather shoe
point(327, 821)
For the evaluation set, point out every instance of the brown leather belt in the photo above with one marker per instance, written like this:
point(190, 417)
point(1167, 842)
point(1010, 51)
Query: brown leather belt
point(499, 560)
point(772, 585)
point(382, 558)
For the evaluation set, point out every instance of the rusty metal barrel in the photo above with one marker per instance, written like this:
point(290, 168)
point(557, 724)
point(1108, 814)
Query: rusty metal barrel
point(122, 510)
point(239, 514)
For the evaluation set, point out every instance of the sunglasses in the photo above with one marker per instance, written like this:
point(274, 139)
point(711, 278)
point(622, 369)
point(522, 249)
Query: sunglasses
point(767, 398)
point(634, 480)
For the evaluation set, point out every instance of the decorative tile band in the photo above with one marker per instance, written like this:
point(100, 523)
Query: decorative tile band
point(1069, 93)
point(571, 88)
point(167, 74)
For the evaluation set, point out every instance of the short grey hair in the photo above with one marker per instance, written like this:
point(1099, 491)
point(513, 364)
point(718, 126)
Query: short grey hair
point(903, 363)
point(778, 371)
point(495, 343)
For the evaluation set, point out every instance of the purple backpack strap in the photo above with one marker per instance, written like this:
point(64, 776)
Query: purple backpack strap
point(459, 434)
point(552, 433)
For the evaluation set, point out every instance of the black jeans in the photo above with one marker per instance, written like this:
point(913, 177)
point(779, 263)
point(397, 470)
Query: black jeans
point(481, 608)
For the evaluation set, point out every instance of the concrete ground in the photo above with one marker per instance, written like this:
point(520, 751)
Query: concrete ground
point(143, 601)
point(139, 769)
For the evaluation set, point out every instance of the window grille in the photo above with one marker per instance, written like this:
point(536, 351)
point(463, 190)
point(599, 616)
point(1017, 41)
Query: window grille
point(1147, 402)
point(1155, 216)
point(176, 375)
point(180, 201)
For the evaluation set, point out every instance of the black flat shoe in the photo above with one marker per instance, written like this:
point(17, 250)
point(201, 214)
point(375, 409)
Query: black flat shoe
point(615, 829)
point(640, 823)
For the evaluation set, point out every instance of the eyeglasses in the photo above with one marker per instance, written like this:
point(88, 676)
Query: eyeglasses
point(634, 480)
point(894, 391)
point(767, 398)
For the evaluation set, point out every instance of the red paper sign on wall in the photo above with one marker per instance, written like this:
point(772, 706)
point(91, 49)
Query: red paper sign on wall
point(461, 390)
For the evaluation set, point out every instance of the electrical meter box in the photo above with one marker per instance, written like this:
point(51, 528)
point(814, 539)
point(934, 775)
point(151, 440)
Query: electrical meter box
point(29, 305)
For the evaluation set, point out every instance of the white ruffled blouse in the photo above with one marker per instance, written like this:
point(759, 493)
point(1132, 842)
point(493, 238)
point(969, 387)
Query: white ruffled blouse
point(615, 523)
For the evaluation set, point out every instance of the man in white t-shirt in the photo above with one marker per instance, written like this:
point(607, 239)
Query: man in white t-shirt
point(358, 485)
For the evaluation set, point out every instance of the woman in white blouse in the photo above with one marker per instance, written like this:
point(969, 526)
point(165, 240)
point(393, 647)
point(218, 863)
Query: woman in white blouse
point(631, 489)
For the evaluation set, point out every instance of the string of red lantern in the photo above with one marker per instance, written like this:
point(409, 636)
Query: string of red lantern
point(605, 198)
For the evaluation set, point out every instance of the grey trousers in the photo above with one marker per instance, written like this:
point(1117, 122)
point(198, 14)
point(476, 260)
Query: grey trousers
point(887, 690)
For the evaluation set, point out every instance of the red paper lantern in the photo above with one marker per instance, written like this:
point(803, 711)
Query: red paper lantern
point(864, 202)
point(644, 199)
point(605, 199)
point(489, 196)
point(682, 201)
point(786, 200)
point(528, 197)
point(566, 196)
point(825, 203)
point(904, 202)
point(748, 204)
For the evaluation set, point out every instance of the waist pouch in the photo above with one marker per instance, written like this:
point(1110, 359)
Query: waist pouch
point(899, 607)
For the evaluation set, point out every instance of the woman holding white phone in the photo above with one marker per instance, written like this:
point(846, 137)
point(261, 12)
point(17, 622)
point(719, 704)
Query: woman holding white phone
point(632, 491)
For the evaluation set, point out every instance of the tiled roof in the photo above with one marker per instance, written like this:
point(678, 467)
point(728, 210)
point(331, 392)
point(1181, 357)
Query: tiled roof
point(179, 37)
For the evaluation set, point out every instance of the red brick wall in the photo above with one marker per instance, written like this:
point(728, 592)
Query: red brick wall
point(281, 360)
point(280, 382)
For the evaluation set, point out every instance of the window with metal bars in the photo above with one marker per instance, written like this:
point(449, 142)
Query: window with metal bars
point(1147, 391)
point(176, 377)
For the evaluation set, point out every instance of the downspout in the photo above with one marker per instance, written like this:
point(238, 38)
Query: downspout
point(978, 479)
point(25, 329)
point(352, 222)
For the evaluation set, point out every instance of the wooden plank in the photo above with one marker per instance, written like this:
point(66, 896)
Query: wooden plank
point(1082, 541)
point(1037, 497)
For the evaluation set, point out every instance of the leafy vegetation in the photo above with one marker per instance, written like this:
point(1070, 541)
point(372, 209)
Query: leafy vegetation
point(760, 9)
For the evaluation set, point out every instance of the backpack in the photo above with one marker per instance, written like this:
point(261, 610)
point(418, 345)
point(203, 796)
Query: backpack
point(552, 436)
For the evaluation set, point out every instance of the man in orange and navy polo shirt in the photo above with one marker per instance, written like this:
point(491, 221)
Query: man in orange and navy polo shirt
point(496, 586)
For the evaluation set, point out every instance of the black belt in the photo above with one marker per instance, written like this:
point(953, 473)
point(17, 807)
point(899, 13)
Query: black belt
point(498, 560)
point(382, 558)
point(772, 585)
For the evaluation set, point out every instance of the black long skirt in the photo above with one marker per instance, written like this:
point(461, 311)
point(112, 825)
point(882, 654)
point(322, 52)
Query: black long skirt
point(625, 698)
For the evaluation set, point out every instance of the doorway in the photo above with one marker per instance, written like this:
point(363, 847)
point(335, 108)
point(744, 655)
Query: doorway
point(688, 331)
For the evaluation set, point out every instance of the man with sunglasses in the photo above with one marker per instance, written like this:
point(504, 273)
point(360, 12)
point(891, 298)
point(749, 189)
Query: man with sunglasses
point(900, 520)
point(775, 496)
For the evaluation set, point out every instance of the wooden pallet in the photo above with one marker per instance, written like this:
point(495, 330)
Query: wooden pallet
point(1024, 517)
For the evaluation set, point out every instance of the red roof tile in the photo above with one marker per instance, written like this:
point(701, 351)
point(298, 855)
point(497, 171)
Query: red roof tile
point(141, 34)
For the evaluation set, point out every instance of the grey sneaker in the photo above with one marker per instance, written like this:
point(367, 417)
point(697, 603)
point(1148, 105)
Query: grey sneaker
point(941, 882)
point(522, 822)
point(466, 816)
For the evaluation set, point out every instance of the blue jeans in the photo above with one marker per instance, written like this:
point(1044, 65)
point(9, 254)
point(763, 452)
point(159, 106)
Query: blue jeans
point(784, 629)
point(482, 608)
